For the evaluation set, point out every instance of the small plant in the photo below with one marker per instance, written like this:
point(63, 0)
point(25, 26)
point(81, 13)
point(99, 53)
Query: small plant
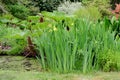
point(108, 61)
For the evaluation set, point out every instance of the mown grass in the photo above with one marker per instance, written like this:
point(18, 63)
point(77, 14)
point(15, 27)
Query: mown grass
point(20, 75)
point(31, 75)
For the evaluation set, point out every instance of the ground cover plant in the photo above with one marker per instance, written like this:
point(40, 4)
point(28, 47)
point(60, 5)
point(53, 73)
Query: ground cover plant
point(12, 40)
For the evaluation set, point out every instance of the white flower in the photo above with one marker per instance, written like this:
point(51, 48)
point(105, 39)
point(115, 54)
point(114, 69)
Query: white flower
point(69, 7)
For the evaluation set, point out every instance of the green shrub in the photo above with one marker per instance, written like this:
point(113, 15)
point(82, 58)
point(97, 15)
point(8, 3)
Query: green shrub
point(19, 11)
point(13, 40)
point(9, 1)
point(47, 5)
point(89, 12)
point(17, 40)
point(50, 5)
point(109, 61)
point(102, 5)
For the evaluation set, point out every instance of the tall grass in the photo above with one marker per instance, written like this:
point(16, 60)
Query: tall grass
point(79, 48)
point(58, 49)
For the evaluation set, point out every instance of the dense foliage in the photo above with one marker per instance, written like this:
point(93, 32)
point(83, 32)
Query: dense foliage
point(82, 46)
point(63, 43)
point(19, 8)
point(50, 5)
point(102, 5)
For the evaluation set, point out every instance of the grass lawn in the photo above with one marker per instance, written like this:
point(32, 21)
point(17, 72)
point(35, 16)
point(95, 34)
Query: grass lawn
point(20, 68)
point(31, 75)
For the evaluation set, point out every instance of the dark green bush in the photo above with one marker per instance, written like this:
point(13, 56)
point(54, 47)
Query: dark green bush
point(12, 40)
point(76, 0)
point(47, 5)
point(50, 5)
point(20, 8)
point(9, 1)
point(19, 11)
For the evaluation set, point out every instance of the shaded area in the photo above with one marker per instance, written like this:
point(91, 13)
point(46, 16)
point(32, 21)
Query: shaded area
point(19, 63)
